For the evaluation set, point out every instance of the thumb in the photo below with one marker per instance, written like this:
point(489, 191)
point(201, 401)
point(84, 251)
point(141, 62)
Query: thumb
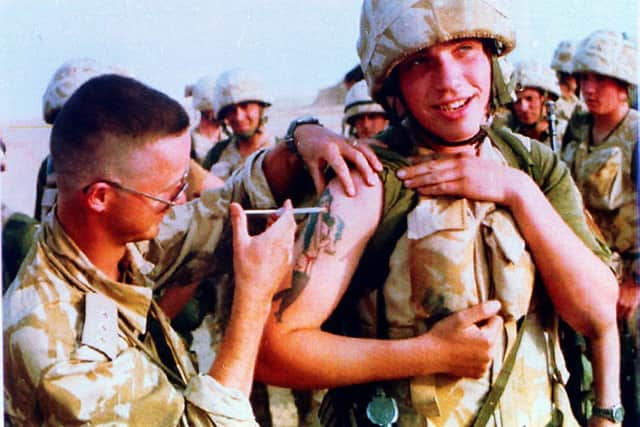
point(238, 224)
point(479, 313)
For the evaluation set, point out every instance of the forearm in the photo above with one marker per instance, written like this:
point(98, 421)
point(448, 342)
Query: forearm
point(581, 286)
point(605, 357)
point(235, 362)
point(313, 359)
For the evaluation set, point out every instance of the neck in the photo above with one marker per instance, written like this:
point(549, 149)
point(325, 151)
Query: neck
point(535, 130)
point(208, 129)
point(604, 124)
point(246, 146)
point(91, 238)
point(441, 145)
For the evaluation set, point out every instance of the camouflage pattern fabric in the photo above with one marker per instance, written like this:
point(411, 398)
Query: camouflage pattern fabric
point(603, 175)
point(230, 159)
point(456, 253)
point(67, 364)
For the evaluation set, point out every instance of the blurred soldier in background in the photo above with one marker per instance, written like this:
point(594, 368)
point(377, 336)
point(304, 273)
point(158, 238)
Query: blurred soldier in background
point(239, 101)
point(535, 87)
point(208, 131)
point(562, 63)
point(64, 82)
point(599, 150)
point(363, 116)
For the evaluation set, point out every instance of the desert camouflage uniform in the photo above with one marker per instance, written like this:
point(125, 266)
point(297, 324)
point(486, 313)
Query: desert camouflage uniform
point(65, 366)
point(230, 159)
point(603, 175)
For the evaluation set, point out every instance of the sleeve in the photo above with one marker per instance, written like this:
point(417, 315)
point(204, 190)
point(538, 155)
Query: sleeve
point(224, 406)
point(190, 234)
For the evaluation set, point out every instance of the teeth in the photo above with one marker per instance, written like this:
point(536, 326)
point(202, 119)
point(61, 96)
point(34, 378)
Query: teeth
point(453, 105)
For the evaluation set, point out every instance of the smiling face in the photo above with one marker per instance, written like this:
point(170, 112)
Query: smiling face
point(244, 118)
point(447, 88)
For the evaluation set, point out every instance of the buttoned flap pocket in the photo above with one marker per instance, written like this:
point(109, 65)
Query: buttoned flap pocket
point(512, 269)
point(601, 178)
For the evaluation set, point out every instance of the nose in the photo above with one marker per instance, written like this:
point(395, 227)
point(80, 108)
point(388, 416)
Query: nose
point(449, 73)
point(236, 113)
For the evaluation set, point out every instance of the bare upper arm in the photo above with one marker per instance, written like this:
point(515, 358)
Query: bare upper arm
point(327, 252)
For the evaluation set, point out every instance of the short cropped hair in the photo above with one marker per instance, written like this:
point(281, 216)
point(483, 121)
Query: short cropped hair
point(103, 120)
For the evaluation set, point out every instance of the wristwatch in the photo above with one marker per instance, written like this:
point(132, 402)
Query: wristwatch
point(302, 120)
point(614, 413)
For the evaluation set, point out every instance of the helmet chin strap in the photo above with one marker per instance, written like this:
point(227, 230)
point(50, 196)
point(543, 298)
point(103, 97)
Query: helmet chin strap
point(431, 138)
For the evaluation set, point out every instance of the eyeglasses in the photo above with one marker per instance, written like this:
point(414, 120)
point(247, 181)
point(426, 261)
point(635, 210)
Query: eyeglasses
point(169, 203)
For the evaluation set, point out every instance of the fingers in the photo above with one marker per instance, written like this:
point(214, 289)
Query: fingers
point(363, 163)
point(317, 175)
point(238, 224)
point(478, 313)
point(335, 160)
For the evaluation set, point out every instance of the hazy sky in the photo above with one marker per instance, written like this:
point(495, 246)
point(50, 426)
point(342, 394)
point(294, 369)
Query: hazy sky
point(299, 46)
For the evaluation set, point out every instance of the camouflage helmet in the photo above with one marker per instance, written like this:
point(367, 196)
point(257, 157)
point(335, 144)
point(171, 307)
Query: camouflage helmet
point(393, 30)
point(608, 53)
point(236, 86)
point(358, 101)
point(563, 57)
point(533, 74)
point(202, 93)
point(69, 77)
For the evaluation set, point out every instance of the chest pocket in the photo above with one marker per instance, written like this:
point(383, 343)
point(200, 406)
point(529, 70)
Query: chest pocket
point(600, 177)
point(465, 252)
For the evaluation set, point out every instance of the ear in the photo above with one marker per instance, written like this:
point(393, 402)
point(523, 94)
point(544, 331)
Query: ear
point(98, 195)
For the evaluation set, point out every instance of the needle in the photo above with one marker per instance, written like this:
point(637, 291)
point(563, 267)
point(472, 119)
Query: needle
point(296, 211)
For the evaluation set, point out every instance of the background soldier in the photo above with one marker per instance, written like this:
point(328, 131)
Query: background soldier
point(240, 103)
point(208, 131)
point(562, 63)
point(599, 149)
point(534, 86)
point(364, 117)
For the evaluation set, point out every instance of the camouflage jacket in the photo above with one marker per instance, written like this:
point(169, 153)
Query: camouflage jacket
point(603, 175)
point(224, 158)
point(71, 356)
